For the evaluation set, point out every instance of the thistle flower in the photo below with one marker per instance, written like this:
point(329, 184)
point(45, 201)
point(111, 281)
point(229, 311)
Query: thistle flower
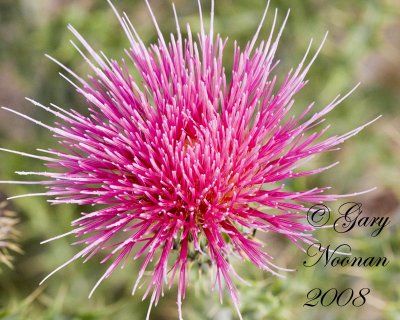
point(8, 234)
point(184, 160)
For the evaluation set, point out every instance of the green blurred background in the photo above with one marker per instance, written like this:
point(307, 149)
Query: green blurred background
point(363, 46)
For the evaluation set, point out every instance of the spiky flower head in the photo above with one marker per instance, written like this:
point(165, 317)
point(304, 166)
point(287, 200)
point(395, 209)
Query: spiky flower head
point(8, 234)
point(183, 160)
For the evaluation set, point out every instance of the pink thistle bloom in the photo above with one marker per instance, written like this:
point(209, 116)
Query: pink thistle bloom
point(184, 160)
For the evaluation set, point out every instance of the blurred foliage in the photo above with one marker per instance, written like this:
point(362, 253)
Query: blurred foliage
point(363, 45)
point(8, 235)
